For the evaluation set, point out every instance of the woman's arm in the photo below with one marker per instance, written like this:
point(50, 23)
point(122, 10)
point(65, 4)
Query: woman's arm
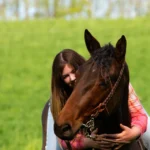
point(138, 115)
point(49, 138)
point(138, 120)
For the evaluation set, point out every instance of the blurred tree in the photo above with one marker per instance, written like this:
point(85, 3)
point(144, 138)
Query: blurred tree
point(16, 3)
point(37, 5)
point(56, 8)
point(73, 8)
point(138, 7)
point(121, 7)
point(2, 9)
point(148, 8)
point(110, 8)
point(46, 4)
point(26, 2)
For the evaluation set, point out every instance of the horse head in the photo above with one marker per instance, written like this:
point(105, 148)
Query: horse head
point(101, 88)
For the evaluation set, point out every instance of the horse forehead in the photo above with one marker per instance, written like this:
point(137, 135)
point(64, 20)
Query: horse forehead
point(114, 67)
point(90, 75)
point(90, 67)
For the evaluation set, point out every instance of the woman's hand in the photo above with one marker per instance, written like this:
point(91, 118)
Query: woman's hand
point(97, 142)
point(128, 134)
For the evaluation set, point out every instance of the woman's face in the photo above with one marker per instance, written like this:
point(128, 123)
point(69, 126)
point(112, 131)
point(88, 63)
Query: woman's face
point(68, 75)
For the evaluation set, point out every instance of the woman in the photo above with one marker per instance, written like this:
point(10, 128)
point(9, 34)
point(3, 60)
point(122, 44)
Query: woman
point(63, 78)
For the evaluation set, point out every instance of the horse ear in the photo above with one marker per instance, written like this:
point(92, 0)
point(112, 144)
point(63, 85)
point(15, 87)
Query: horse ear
point(120, 50)
point(91, 43)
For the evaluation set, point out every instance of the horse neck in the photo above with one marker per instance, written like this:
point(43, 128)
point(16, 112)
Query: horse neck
point(111, 124)
point(126, 117)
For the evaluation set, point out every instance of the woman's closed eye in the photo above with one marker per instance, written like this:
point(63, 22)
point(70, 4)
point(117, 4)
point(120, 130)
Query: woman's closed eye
point(65, 76)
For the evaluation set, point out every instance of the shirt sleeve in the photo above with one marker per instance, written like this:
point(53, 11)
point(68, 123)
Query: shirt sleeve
point(138, 115)
point(76, 143)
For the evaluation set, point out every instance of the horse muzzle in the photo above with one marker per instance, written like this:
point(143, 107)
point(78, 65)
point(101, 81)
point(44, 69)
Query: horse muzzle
point(64, 131)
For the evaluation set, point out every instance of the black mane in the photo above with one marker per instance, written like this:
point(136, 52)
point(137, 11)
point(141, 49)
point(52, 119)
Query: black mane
point(103, 57)
point(105, 52)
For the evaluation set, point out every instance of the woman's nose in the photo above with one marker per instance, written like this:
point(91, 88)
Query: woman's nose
point(72, 77)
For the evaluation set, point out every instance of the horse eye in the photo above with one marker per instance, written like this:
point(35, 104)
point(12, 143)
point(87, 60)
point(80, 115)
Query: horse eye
point(64, 77)
point(103, 84)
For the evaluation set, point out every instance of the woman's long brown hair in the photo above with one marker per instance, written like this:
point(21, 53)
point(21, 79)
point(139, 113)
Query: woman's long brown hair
point(59, 89)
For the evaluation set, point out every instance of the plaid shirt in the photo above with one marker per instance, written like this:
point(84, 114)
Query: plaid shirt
point(76, 144)
point(138, 118)
point(138, 115)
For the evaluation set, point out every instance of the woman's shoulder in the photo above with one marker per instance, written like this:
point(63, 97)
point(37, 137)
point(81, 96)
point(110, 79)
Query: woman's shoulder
point(45, 109)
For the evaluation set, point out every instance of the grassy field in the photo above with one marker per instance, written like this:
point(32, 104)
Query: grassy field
point(27, 50)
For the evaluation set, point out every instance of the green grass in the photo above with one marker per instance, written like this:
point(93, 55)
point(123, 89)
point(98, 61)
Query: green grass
point(27, 50)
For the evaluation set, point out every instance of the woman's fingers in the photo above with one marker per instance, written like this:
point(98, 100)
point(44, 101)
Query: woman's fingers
point(95, 131)
point(110, 136)
point(104, 145)
point(123, 127)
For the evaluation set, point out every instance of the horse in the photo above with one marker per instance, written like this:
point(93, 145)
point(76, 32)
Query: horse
point(100, 97)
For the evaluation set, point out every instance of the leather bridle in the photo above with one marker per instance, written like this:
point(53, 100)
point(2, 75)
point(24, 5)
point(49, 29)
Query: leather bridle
point(89, 125)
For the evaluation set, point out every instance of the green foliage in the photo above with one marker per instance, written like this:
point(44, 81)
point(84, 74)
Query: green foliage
point(27, 50)
point(75, 8)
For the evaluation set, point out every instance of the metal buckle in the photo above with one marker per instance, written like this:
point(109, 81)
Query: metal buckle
point(88, 127)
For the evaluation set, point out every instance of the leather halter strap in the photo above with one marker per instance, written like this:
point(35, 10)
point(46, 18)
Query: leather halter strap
point(103, 106)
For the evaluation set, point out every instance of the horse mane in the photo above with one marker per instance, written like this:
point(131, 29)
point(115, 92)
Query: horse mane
point(103, 57)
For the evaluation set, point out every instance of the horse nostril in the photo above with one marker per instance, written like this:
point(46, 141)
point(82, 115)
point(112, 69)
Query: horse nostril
point(66, 128)
point(63, 131)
